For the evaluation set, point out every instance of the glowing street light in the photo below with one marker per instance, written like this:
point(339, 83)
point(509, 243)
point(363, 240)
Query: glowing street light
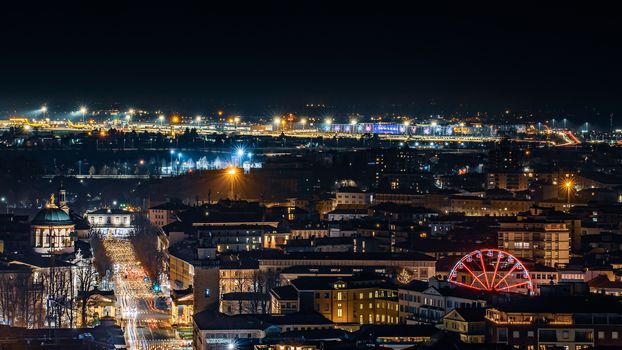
point(568, 185)
point(44, 109)
point(83, 112)
point(406, 125)
point(232, 173)
point(161, 118)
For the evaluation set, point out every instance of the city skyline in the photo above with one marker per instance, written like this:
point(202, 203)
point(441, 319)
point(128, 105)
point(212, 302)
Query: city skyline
point(301, 177)
point(460, 59)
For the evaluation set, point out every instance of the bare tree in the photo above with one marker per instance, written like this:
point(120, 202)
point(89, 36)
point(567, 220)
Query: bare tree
point(86, 280)
point(261, 283)
point(241, 284)
point(148, 251)
point(60, 292)
point(101, 260)
point(21, 299)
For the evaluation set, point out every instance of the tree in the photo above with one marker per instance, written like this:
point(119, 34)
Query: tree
point(148, 251)
point(101, 260)
point(404, 277)
point(86, 279)
point(21, 299)
point(60, 292)
point(261, 283)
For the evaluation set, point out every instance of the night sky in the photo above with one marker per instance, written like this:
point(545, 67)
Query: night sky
point(441, 59)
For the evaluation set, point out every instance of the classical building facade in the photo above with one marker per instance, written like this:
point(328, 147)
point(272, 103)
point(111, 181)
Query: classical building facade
point(52, 230)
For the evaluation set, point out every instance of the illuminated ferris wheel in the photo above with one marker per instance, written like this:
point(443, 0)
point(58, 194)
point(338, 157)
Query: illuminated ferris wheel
point(491, 270)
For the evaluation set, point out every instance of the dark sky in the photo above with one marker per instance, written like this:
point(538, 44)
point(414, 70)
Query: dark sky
point(536, 58)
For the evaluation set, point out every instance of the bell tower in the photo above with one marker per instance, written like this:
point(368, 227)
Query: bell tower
point(62, 199)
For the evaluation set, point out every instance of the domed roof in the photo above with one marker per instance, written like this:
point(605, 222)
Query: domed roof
point(52, 217)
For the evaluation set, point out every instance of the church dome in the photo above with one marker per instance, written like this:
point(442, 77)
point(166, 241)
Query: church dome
point(51, 217)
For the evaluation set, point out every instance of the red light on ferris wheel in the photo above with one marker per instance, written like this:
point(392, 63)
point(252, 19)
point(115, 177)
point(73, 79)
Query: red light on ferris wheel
point(491, 270)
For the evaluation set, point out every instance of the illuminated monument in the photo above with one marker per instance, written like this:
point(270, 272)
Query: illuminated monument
point(52, 230)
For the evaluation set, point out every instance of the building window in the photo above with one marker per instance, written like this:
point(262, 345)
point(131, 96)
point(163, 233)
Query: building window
point(614, 335)
point(601, 335)
point(502, 335)
point(339, 311)
point(339, 296)
point(565, 334)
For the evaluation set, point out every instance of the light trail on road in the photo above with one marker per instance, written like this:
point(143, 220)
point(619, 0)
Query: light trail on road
point(136, 302)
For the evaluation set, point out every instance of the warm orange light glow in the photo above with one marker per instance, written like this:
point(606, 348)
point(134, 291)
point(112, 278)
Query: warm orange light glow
point(232, 171)
point(568, 184)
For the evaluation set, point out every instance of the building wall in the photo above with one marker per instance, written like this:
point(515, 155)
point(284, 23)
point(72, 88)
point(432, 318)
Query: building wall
point(161, 217)
point(181, 273)
point(371, 305)
point(545, 243)
point(422, 270)
point(508, 181)
point(489, 207)
point(205, 286)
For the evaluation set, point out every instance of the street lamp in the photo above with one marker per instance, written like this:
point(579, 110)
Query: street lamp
point(231, 173)
point(406, 125)
point(179, 155)
point(161, 119)
point(172, 152)
point(303, 122)
point(568, 184)
point(83, 112)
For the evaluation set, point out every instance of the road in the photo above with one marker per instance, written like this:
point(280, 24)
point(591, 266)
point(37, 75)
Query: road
point(145, 324)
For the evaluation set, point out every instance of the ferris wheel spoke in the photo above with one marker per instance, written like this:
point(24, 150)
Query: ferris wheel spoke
point(466, 285)
point(507, 272)
point(505, 276)
point(516, 285)
point(494, 275)
point(481, 259)
point(475, 276)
